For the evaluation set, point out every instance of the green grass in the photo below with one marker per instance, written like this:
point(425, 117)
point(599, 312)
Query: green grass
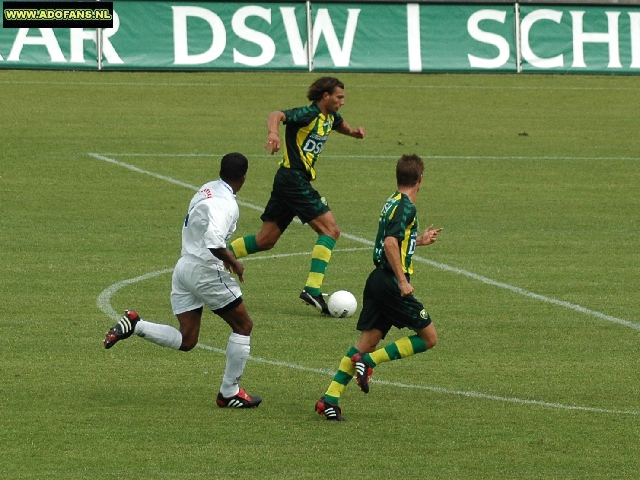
point(555, 212)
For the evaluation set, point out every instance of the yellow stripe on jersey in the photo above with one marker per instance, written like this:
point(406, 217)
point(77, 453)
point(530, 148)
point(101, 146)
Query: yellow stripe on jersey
point(321, 122)
point(405, 248)
point(306, 157)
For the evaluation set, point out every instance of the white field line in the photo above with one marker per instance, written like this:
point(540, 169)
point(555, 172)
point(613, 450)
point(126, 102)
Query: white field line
point(441, 266)
point(304, 86)
point(104, 304)
point(104, 299)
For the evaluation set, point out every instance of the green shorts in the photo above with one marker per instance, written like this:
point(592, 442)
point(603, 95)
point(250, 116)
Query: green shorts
point(292, 195)
point(384, 307)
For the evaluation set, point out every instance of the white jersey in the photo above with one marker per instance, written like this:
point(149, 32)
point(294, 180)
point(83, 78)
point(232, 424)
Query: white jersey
point(210, 222)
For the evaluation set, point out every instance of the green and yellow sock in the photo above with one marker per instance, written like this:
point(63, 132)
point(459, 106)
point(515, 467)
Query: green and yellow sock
point(319, 260)
point(401, 348)
point(341, 379)
point(241, 247)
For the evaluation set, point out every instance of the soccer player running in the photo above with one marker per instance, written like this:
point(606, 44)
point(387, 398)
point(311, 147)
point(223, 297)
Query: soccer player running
point(202, 277)
point(388, 296)
point(307, 130)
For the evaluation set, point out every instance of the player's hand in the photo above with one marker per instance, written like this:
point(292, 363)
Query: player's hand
point(272, 144)
point(406, 288)
point(430, 235)
point(237, 268)
point(358, 132)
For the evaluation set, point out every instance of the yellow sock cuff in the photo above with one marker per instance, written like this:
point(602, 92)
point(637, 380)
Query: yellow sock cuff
point(239, 248)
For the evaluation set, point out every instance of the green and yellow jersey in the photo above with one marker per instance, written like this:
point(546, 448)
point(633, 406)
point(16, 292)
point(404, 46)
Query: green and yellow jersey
point(399, 219)
point(306, 132)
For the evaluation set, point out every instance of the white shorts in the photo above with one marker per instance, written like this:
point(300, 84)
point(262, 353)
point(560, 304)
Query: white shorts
point(195, 284)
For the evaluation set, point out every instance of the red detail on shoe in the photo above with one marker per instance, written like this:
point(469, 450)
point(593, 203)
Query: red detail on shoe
point(362, 377)
point(240, 400)
point(329, 410)
point(242, 393)
point(108, 339)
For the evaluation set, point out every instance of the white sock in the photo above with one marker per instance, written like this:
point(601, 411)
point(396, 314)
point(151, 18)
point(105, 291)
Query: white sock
point(238, 349)
point(164, 335)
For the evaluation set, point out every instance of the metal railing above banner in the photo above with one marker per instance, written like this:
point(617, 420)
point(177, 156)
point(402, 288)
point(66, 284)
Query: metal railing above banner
point(337, 35)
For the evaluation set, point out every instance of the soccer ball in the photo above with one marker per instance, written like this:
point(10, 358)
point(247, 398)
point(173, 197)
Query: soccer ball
point(342, 304)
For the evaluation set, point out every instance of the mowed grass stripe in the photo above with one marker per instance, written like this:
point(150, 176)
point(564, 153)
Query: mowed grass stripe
point(104, 304)
point(441, 266)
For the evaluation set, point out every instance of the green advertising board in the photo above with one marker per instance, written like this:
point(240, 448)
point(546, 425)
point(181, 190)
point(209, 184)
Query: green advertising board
point(580, 39)
point(395, 37)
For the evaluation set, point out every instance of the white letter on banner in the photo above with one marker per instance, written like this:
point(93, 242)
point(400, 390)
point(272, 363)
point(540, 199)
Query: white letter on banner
point(293, 35)
point(634, 18)
point(413, 37)
point(323, 26)
point(525, 27)
point(47, 38)
point(487, 37)
point(580, 38)
point(79, 35)
point(77, 38)
point(259, 38)
point(107, 48)
point(181, 48)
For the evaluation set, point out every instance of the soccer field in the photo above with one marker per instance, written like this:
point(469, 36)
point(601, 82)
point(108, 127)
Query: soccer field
point(532, 285)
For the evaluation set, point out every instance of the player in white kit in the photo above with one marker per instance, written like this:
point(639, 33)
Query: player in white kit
point(202, 277)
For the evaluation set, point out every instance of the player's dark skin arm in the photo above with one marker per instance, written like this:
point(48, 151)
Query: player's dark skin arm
point(231, 263)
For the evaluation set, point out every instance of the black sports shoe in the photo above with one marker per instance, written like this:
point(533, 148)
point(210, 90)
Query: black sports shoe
point(329, 410)
point(363, 371)
point(315, 301)
point(240, 400)
point(123, 329)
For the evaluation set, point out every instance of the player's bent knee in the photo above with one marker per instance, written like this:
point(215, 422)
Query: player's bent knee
point(247, 328)
point(267, 238)
point(244, 326)
point(266, 242)
point(429, 335)
point(332, 229)
point(265, 245)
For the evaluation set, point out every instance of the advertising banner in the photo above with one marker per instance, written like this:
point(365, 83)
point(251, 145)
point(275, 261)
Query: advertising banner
point(44, 47)
point(394, 37)
point(580, 39)
point(414, 37)
point(211, 36)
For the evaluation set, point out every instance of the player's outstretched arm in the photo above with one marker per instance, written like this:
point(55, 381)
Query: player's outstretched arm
point(345, 129)
point(272, 145)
